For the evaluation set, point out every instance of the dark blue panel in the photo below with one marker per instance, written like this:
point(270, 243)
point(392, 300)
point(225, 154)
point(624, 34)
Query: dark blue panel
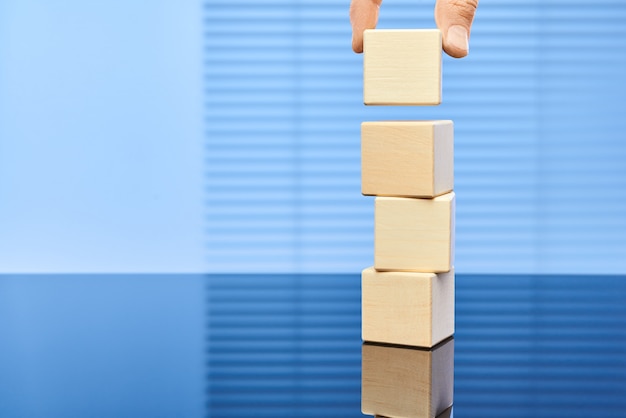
point(289, 345)
point(284, 345)
point(88, 345)
point(540, 346)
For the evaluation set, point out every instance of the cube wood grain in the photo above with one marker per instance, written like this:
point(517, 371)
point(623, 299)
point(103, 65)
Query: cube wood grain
point(402, 67)
point(407, 308)
point(414, 234)
point(407, 158)
point(406, 382)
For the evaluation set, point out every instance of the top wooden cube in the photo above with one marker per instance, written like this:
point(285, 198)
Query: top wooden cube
point(402, 67)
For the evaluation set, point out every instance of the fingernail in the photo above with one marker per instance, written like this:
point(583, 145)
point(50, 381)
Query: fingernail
point(458, 38)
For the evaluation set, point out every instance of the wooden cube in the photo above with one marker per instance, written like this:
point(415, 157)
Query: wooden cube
point(407, 158)
point(402, 67)
point(445, 414)
point(414, 234)
point(406, 308)
point(407, 382)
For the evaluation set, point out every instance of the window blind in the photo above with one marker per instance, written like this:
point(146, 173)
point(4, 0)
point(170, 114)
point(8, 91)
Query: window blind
point(539, 153)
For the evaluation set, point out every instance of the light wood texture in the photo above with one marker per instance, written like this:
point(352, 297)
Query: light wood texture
point(414, 234)
point(407, 383)
point(402, 67)
point(415, 309)
point(407, 158)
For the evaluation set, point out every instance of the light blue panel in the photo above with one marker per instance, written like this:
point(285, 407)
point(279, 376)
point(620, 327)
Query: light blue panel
point(101, 136)
point(582, 147)
point(539, 138)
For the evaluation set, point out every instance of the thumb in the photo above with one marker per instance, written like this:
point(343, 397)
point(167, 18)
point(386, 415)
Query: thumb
point(454, 18)
point(363, 15)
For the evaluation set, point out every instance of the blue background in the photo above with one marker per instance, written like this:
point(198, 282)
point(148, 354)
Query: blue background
point(223, 136)
point(101, 137)
point(205, 137)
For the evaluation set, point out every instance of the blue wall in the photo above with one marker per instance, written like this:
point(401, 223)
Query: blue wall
point(223, 136)
point(101, 137)
point(540, 146)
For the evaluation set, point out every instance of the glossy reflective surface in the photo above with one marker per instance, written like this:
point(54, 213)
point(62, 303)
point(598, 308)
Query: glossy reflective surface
point(263, 345)
point(401, 381)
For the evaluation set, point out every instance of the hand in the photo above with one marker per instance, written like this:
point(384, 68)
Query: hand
point(453, 17)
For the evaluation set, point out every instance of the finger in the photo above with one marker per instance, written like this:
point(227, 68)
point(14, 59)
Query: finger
point(454, 18)
point(363, 15)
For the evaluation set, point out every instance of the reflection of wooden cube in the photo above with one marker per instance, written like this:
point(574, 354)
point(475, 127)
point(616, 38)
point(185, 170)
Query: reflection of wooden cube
point(407, 382)
point(414, 234)
point(407, 308)
point(445, 414)
point(402, 67)
point(410, 158)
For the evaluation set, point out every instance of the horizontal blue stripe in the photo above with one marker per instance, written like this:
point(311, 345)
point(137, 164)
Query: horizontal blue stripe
point(522, 343)
point(538, 130)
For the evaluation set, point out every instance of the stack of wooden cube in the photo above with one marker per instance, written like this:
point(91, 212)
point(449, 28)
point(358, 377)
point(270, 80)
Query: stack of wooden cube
point(408, 295)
